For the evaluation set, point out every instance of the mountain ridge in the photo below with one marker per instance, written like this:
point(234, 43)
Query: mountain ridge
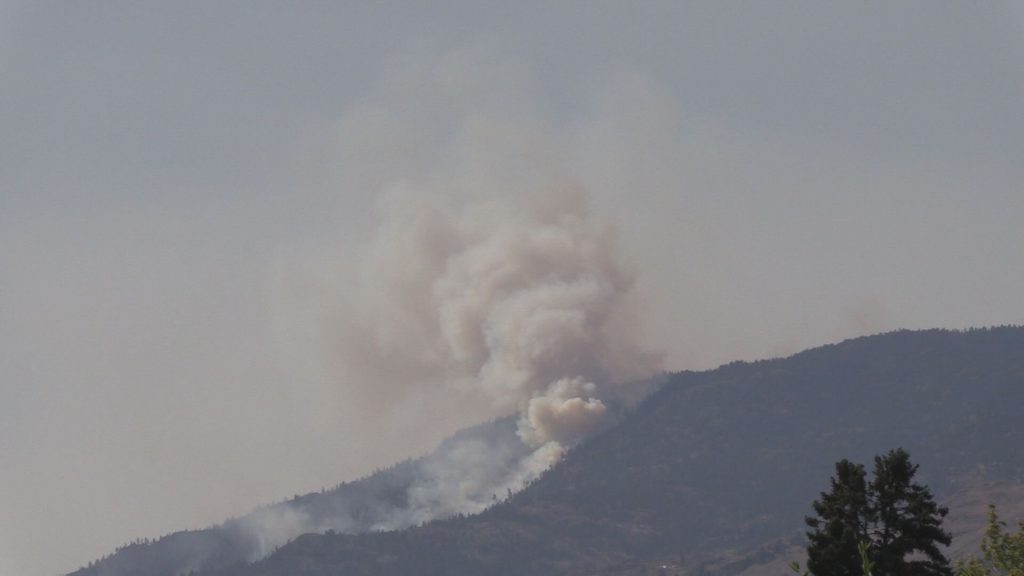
point(714, 471)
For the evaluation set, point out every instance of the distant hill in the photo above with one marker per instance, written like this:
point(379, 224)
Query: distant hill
point(380, 501)
point(714, 473)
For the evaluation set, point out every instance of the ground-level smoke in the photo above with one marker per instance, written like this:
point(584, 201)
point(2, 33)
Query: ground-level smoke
point(520, 304)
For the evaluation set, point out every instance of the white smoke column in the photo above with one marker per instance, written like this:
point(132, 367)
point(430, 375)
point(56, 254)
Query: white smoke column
point(565, 413)
point(519, 301)
point(522, 300)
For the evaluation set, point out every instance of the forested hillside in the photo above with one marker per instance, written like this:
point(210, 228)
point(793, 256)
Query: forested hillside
point(379, 501)
point(715, 471)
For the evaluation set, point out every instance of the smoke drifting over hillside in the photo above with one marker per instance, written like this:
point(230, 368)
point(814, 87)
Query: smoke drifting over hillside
point(486, 289)
point(518, 307)
point(465, 474)
point(523, 301)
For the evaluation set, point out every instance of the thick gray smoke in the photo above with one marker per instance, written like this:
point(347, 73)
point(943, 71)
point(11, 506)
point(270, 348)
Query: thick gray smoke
point(524, 301)
point(521, 304)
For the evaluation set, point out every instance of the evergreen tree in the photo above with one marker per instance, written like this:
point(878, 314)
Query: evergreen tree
point(894, 517)
point(908, 522)
point(842, 523)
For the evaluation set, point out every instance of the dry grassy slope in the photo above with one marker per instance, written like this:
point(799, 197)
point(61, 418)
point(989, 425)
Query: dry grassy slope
point(968, 513)
point(967, 519)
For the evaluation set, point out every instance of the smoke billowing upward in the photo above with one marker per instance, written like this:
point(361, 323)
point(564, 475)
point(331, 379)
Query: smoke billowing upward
point(515, 307)
point(520, 301)
point(524, 301)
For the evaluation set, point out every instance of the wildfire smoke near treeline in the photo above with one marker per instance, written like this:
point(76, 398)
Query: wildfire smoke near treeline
point(484, 288)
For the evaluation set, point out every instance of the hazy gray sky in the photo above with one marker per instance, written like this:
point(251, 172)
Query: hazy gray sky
point(183, 184)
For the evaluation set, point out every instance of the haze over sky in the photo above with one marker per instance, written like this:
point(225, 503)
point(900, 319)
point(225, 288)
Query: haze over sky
point(183, 183)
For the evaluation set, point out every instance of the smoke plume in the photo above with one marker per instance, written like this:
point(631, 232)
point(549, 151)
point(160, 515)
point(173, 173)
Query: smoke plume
point(519, 304)
point(523, 301)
